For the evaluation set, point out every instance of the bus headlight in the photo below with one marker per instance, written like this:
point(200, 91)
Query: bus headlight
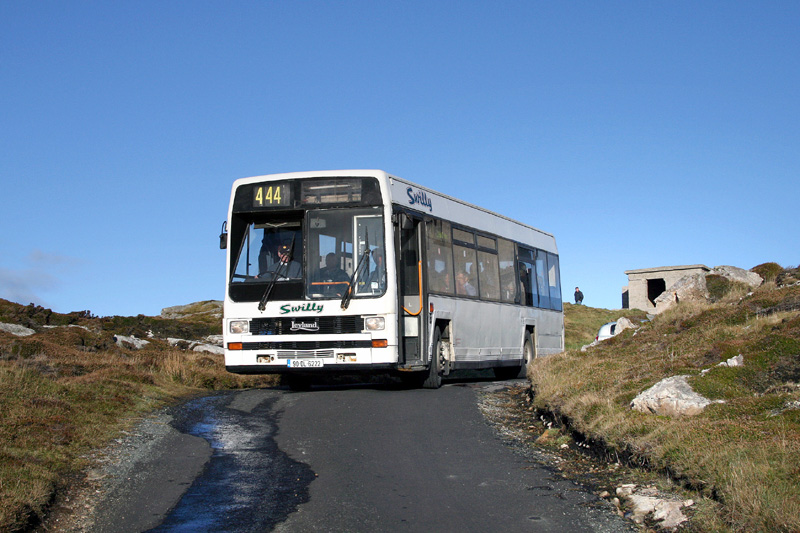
point(374, 323)
point(239, 326)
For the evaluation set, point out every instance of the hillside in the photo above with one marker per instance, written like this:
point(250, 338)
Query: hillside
point(70, 382)
point(740, 454)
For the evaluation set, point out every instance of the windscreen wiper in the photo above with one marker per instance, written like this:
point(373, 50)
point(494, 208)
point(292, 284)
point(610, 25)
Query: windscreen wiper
point(262, 305)
point(348, 294)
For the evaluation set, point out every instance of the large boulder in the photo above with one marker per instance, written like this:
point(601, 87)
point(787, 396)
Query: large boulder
point(671, 397)
point(208, 307)
point(687, 288)
point(738, 274)
point(16, 329)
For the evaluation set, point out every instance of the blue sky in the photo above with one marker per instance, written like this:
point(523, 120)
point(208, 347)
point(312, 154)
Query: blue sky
point(641, 134)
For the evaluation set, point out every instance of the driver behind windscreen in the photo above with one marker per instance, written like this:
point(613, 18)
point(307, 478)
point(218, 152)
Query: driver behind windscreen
point(286, 267)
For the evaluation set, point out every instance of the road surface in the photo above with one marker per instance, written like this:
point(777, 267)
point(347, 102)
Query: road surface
point(357, 458)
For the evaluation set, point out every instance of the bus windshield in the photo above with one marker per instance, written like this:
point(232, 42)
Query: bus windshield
point(345, 245)
point(322, 250)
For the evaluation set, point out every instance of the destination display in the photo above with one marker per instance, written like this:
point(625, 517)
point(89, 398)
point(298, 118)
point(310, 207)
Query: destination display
point(274, 194)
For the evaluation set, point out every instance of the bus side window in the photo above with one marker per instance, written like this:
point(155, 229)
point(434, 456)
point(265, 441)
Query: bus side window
point(527, 277)
point(508, 278)
point(466, 279)
point(489, 275)
point(541, 280)
point(440, 256)
point(554, 281)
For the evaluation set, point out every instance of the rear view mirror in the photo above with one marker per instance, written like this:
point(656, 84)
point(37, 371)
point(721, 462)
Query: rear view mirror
point(223, 237)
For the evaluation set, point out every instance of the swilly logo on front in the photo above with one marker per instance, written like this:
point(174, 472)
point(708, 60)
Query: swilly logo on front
point(305, 326)
point(288, 308)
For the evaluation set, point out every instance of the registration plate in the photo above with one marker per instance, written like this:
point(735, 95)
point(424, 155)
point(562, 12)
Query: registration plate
point(305, 363)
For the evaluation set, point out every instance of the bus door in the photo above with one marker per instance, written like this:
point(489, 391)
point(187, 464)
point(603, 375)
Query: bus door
point(412, 315)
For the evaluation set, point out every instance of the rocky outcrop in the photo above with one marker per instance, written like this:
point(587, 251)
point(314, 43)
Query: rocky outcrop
point(647, 502)
point(211, 344)
point(671, 397)
point(694, 287)
point(16, 329)
point(131, 342)
point(738, 275)
point(687, 288)
point(207, 307)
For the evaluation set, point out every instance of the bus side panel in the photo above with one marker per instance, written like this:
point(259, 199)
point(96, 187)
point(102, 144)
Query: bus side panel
point(483, 333)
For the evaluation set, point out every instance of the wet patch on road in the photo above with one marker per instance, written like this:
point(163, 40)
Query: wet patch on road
point(249, 484)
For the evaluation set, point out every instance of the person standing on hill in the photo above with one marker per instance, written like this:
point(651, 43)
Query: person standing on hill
point(578, 296)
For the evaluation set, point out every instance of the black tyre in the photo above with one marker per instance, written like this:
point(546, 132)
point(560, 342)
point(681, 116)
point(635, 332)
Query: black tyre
point(434, 379)
point(512, 372)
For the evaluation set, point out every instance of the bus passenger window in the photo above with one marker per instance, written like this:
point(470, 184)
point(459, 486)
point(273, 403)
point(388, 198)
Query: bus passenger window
point(554, 281)
point(440, 256)
point(508, 278)
point(465, 279)
point(488, 271)
point(527, 277)
point(541, 280)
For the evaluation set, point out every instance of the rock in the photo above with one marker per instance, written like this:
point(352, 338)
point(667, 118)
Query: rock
point(738, 274)
point(737, 360)
point(669, 514)
point(648, 501)
point(626, 490)
point(209, 348)
point(623, 324)
point(214, 344)
point(685, 289)
point(214, 339)
point(207, 307)
point(16, 329)
point(130, 342)
point(671, 397)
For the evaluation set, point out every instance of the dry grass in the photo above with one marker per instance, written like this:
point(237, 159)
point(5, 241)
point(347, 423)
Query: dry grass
point(743, 455)
point(66, 391)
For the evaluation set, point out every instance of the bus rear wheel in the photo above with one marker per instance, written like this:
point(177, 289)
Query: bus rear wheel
point(511, 372)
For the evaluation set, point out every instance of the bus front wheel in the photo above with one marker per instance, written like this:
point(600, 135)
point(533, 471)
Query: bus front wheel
point(434, 379)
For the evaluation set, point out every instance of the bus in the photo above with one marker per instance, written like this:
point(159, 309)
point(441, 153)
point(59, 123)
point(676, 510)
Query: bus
point(361, 271)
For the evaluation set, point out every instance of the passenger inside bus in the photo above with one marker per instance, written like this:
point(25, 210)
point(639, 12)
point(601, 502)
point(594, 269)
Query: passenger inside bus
point(377, 278)
point(463, 286)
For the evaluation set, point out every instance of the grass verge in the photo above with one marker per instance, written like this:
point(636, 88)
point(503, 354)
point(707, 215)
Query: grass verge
point(741, 456)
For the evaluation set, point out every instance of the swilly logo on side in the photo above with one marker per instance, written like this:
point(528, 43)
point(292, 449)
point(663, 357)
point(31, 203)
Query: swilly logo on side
point(419, 197)
point(305, 326)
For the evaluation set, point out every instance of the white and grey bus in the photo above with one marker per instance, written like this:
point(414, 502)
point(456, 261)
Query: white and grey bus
point(361, 271)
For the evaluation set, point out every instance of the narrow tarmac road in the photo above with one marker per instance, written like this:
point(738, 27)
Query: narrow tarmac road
point(358, 459)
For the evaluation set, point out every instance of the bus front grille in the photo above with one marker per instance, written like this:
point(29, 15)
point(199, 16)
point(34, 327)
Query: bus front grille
point(307, 325)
